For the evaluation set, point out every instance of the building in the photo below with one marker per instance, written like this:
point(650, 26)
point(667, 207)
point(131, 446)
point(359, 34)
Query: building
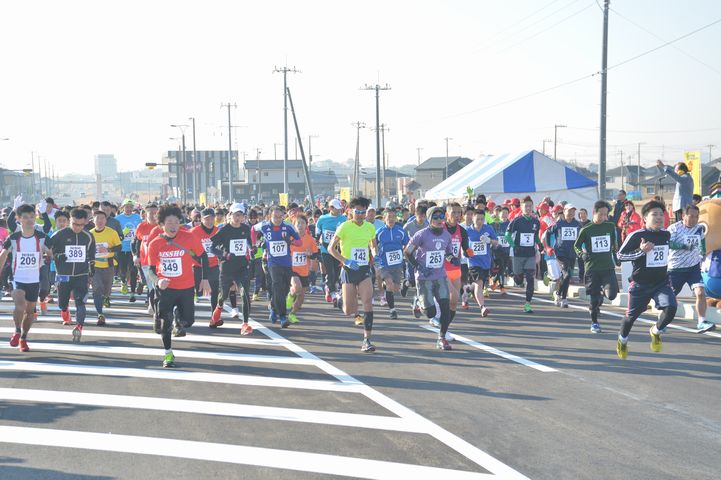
point(106, 166)
point(264, 181)
point(433, 171)
point(390, 178)
point(211, 171)
point(14, 183)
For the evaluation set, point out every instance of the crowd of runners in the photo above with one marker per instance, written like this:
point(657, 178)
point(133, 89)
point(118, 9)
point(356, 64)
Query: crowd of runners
point(358, 257)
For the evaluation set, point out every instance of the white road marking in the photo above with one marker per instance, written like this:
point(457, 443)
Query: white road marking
point(354, 420)
point(178, 375)
point(236, 454)
point(495, 351)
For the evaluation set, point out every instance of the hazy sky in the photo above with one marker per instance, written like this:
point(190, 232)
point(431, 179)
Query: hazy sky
point(86, 77)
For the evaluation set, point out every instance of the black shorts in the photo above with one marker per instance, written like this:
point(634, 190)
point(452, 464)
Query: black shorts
point(304, 281)
point(355, 277)
point(478, 274)
point(464, 273)
point(32, 290)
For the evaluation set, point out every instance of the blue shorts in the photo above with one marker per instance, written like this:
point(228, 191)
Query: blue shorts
point(692, 278)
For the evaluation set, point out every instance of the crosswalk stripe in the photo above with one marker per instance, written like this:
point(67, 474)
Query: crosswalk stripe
point(179, 375)
point(236, 454)
point(321, 417)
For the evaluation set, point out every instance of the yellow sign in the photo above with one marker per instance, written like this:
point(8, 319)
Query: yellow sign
point(201, 198)
point(283, 199)
point(345, 194)
point(693, 162)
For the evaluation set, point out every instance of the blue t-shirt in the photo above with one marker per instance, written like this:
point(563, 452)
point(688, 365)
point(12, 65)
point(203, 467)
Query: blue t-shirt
point(482, 257)
point(391, 242)
point(277, 243)
point(128, 224)
point(325, 229)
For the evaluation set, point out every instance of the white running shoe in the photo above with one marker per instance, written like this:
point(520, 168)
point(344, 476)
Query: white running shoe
point(450, 337)
point(234, 313)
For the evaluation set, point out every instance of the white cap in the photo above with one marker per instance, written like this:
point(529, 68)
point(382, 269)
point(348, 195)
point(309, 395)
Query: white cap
point(237, 207)
point(569, 206)
point(371, 207)
point(335, 203)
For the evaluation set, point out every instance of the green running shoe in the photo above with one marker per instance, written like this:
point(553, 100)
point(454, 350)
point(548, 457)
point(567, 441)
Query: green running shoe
point(124, 289)
point(169, 360)
point(527, 308)
point(293, 318)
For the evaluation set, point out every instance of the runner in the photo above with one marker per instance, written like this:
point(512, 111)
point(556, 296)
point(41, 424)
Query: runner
point(565, 232)
point(413, 226)
point(325, 230)
point(27, 246)
point(232, 244)
point(390, 239)
point(648, 249)
point(596, 246)
point(278, 236)
point(107, 245)
point(74, 251)
point(304, 258)
point(481, 238)
point(426, 251)
point(140, 254)
point(501, 254)
point(354, 237)
point(171, 256)
point(459, 242)
point(522, 236)
point(127, 271)
point(687, 251)
point(204, 232)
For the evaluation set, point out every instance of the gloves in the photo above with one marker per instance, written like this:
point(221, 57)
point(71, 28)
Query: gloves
point(352, 264)
point(42, 207)
point(550, 252)
point(469, 252)
point(17, 202)
point(453, 260)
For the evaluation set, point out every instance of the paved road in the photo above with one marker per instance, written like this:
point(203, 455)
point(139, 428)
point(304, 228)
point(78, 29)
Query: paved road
point(521, 395)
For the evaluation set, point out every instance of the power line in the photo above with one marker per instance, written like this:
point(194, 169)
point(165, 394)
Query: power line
point(648, 132)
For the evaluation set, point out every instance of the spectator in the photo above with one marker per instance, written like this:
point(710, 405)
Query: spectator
point(683, 196)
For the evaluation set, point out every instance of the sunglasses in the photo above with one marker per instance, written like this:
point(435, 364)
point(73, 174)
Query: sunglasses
point(359, 212)
point(438, 216)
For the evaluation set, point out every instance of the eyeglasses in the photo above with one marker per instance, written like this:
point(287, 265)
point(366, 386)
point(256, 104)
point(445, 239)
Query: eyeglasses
point(359, 212)
point(438, 216)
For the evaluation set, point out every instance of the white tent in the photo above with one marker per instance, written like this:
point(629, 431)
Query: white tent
point(500, 177)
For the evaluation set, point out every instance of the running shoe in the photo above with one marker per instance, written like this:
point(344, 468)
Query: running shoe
point(367, 346)
point(106, 302)
point(621, 349)
point(24, 346)
point(416, 309)
point(256, 297)
point(289, 301)
point(15, 340)
point(393, 313)
point(404, 288)
point(556, 299)
point(273, 317)
point(484, 311)
point(215, 317)
point(656, 344)
point(705, 326)
point(546, 279)
point(77, 333)
point(101, 320)
point(328, 296)
point(132, 298)
point(359, 320)
point(527, 308)
point(284, 322)
point(464, 305)
point(234, 313)
point(450, 337)
point(595, 328)
point(564, 303)
point(503, 291)
point(293, 318)
point(442, 344)
point(44, 308)
point(124, 289)
point(169, 360)
point(178, 331)
point(340, 303)
point(246, 329)
point(435, 322)
point(65, 315)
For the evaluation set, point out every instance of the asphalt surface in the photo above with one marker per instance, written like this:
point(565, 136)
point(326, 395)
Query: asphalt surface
point(534, 395)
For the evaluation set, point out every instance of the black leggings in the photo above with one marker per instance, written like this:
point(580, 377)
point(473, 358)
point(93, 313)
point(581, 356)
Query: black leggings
point(598, 285)
point(126, 267)
point(280, 286)
point(529, 276)
point(213, 280)
point(332, 271)
point(78, 286)
point(566, 265)
point(241, 277)
point(168, 300)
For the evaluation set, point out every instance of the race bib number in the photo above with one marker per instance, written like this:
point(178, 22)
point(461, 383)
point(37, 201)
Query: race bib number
point(693, 241)
point(300, 259)
point(434, 259)
point(502, 241)
point(526, 240)
point(131, 233)
point(208, 246)
point(75, 253)
point(100, 245)
point(658, 257)
point(456, 247)
point(568, 233)
point(601, 244)
point(479, 248)
point(239, 247)
point(394, 258)
point(171, 267)
point(328, 236)
point(360, 255)
point(28, 261)
point(278, 248)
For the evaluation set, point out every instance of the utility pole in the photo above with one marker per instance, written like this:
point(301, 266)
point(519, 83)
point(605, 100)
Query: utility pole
point(306, 172)
point(545, 141)
point(285, 71)
point(32, 173)
point(418, 149)
point(184, 182)
point(310, 154)
point(710, 150)
point(384, 128)
point(622, 168)
point(257, 160)
point(604, 89)
point(638, 167)
point(555, 139)
point(355, 187)
point(230, 154)
point(377, 89)
point(445, 174)
point(195, 167)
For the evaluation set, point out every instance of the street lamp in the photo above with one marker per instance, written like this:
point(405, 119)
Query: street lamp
point(185, 184)
point(178, 177)
point(446, 173)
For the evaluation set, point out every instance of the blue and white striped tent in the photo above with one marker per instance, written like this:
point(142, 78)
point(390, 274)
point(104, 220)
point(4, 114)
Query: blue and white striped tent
point(510, 175)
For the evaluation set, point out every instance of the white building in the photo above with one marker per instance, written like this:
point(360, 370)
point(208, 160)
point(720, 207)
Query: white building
point(106, 166)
